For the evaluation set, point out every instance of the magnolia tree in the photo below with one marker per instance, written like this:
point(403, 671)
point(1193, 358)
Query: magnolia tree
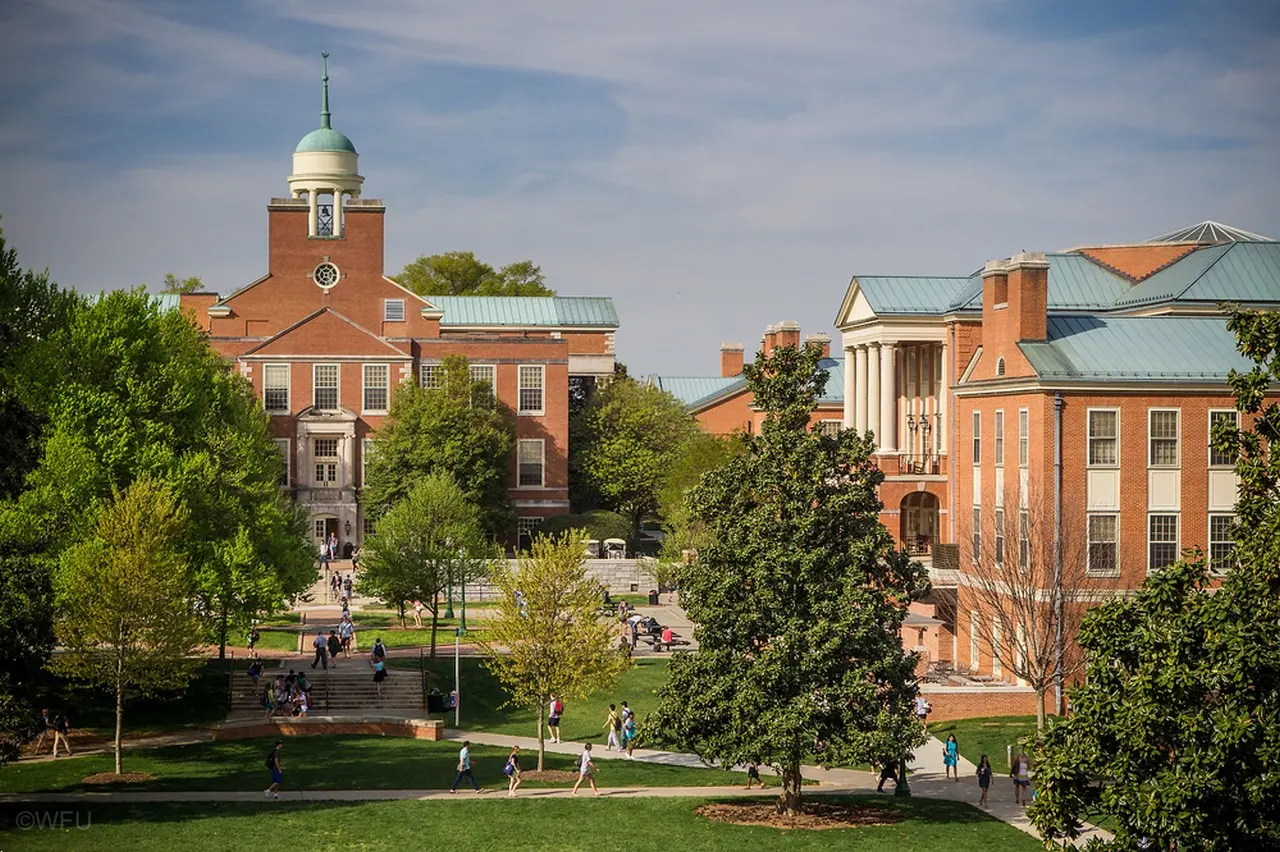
point(123, 613)
point(546, 637)
point(798, 595)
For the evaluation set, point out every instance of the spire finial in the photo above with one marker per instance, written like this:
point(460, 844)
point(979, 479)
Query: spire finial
point(324, 104)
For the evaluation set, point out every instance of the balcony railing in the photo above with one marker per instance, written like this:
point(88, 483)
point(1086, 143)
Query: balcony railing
point(921, 545)
point(916, 464)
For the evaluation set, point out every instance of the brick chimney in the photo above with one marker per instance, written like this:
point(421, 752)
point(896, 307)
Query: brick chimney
point(1028, 293)
point(823, 340)
point(730, 359)
point(788, 333)
point(769, 340)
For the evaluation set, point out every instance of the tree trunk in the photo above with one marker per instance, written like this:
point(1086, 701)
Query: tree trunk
point(119, 707)
point(435, 620)
point(789, 798)
point(401, 606)
point(1040, 701)
point(541, 735)
point(222, 632)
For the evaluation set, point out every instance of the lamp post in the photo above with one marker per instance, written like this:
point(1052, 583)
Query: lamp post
point(924, 437)
point(457, 681)
point(448, 607)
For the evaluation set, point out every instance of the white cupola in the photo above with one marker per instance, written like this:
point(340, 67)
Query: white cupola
point(325, 168)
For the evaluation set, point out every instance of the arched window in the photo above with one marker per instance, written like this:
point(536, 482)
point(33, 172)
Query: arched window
point(999, 366)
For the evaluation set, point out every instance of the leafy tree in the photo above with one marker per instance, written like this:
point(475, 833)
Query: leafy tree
point(455, 428)
point(1175, 734)
point(432, 537)
point(798, 594)
point(124, 615)
point(174, 284)
point(132, 391)
point(553, 643)
point(598, 525)
point(461, 273)
point(626, 440)
point(701, 454)
point(26, 635)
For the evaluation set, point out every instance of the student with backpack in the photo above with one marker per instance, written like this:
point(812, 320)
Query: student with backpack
point(613, 725)
point(255, 674)
point(277, 773)
point(553, 718)
point(512, 770)
point(335, 647)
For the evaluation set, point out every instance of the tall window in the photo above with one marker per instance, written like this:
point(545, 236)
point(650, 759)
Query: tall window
point(366, 452)
point(367, 525)
point(977, 534)
point(326, 387)
point(977, 437)
point(325, 455)
point(530, 392)
point(1024, 540)
point(376, 386)
point(1163, 437)
point(531, 462)
point(430, 376)
point(1222, 543)
point(1162, 541)
point(283, 445)
point(1104, 544)
point(393, 310)
point(973, 641)
point(486, 375)
point(999, 536)
point(1024, 437)
point(831, 428)
point(997, 667)
point(1217, 459)
point(1104, 438)
point(275, 387)
point(999, 438)
point(525, 528)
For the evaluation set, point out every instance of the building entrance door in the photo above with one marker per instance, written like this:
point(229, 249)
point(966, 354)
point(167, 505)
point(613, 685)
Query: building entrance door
point(919, 529)
point(322, 527)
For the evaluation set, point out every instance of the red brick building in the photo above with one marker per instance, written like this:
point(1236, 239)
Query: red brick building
point(325, 336)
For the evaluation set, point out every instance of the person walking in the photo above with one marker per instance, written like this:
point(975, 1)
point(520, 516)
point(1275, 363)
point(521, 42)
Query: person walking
point(346, 632)
point(922, 711)
point(61, 733)
point(324, 556)
point(417, 614)
point(753, 775)
point(379, 650)
point(277, 771)
point(346, 587)
point(951, 757)
point(464, 768)
point(586, 771)
point(1020, 772)
point(255, 674)
point(984, 779)
point(629, 734)
point(335, 647)
point(379, 672)
point(555, 709)
point(888, 772)
point(512, 770)
point(321, 646)
point(254, 638)
point(613, 724)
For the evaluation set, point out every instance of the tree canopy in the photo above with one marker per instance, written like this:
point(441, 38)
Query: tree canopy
point(798, 597)
point(461, 273)
point(1175, 734)
point(625, 440)
point(174, 284)
point(456, 428)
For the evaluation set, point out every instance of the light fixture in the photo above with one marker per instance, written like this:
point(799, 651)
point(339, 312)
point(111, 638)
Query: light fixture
point(347, 527)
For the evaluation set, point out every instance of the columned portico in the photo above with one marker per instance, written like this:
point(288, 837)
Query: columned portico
point(872, 395)
point(850, 389)
point(888, 399)
point(860, 403)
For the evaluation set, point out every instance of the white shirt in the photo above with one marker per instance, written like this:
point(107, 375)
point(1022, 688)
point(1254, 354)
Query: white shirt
point(586, 762)
point(551, 708)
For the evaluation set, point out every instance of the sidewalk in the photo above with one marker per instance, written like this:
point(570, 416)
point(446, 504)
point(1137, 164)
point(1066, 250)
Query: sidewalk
point(159, 741)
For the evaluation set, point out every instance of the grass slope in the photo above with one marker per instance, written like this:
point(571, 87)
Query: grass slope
point(987, 735)
point(487, 823)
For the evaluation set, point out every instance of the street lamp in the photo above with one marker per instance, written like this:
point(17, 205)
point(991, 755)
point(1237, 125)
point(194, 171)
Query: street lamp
point(462, 622)
point(448, 609)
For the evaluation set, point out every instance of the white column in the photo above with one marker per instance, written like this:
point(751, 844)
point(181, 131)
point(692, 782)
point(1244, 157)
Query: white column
point(860, 403)
point(943, 393)
point(313, 214)
point(888, 398)
point(337, 213)
point(872, 396)
point(850, 389)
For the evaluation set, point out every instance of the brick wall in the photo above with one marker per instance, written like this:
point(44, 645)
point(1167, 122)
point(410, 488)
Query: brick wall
point(971, 702)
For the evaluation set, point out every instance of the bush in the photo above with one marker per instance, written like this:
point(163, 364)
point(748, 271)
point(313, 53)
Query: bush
point(599, 525)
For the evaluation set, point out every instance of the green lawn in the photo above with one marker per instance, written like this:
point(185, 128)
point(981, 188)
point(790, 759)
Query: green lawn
point(488, 823)
point(483, 697)
point(335, 762)
point(987, 735)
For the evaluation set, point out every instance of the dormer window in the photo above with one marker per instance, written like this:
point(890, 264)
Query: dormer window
point(999, 366)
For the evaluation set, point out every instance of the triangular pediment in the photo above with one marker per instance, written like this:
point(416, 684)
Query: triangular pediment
point(327, 333)
point(855, 308)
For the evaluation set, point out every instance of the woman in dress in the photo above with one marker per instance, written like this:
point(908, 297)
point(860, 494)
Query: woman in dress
point(951, 756)
point(984, 779)
point(512, 770)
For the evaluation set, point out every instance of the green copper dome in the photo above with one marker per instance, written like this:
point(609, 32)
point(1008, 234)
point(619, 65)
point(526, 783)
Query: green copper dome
point(326, 139)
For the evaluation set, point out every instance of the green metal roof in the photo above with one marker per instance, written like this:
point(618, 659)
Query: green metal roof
point(1075, 283)
point(1108, 348)
point(538, 311)
point(698, 391)
point(834, 391)
point(324, 139)
point(1210, 232)
point(1232, 272)
point(909, 294)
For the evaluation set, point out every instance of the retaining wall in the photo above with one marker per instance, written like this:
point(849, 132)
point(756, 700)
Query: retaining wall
point(418, 729)
point(967, 702)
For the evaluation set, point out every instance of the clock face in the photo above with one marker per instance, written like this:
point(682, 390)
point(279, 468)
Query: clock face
point(326, 275)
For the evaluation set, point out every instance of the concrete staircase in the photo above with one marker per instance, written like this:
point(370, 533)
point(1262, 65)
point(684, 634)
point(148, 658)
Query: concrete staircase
point(347, 691)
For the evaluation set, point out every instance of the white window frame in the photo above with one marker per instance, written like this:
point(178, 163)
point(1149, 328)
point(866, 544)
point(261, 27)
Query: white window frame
point(390, 307)
point(999, 536)
point(976, 534)
point(1024, 540)
point(997, 437)
point(266, 388)
point(337, 385)
point(997, 667)
point(366, 449)
point(334, 461)
point(521, 387)
point(367, 525)
point(1215, 563)
point(285, 445)
point(975, 649)
point(977, 437)
point(830, 427)
point(365, 387)
point(1213, 413)
point(1152, 438)
point(530, 524)
point(1024, 437)
point(1090, 438)
point(1152, 567)
point(1114, 569)
point(432, 369)
point(542, 462)
point(491, 380)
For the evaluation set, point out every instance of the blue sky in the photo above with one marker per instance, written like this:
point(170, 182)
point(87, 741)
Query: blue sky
point(712, 166)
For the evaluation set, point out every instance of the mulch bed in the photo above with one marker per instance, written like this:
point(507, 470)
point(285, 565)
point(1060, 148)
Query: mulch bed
point(555, 776)
point(122, 778)
point(813, 816)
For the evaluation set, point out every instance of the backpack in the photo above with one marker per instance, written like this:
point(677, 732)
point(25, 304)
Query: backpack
point(271, 760)
point(559, 708)
point(509, 769)
point(60, 724)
